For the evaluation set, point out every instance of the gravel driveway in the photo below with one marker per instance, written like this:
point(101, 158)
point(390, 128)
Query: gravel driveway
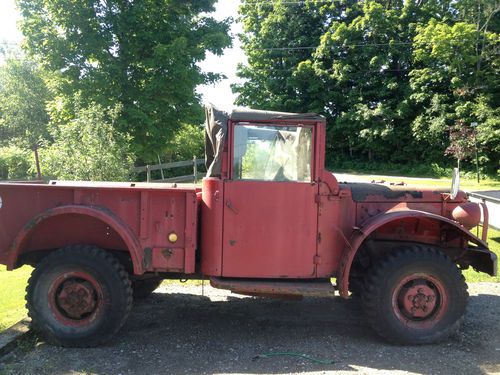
point(180, 331)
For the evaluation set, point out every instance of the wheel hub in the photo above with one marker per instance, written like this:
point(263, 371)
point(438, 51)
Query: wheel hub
point(77, 298)
point(419, 301)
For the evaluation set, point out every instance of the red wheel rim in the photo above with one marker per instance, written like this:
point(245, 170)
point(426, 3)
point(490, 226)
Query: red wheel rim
point(75, 298)
point(419, 300)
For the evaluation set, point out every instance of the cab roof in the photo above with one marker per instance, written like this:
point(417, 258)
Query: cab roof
point(242, 114)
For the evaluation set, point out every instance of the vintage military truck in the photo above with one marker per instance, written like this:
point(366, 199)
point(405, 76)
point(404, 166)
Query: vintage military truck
point(269, 220)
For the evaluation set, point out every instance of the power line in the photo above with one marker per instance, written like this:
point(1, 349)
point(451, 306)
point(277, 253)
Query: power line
point(277, 2)
point(331, 47)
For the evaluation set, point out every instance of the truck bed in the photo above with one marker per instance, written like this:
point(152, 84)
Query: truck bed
point(155, 223)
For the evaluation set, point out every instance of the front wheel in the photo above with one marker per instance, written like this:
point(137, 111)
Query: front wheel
point(416, 295)
point(79, 296)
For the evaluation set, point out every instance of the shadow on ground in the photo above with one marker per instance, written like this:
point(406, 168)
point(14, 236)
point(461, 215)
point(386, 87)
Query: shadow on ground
point(190, 334)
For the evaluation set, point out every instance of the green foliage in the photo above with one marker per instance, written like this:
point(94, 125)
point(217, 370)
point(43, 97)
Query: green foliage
point(15, 163)
point(391, 77)
point(188, 141)
point(255, 161)
point(141, 55)
point(23, 100)
point(89, 148)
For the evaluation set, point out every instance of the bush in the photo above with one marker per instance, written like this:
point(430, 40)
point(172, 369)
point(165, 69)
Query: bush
point(89, 148)
point(15, 163)
point(189, 141)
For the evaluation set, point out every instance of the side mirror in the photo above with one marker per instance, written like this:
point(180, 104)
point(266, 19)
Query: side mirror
point(455, 183)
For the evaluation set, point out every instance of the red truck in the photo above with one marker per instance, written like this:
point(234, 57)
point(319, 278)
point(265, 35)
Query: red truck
point(269, 220)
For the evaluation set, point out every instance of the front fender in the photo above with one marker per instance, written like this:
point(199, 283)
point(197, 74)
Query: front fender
point(370, 226)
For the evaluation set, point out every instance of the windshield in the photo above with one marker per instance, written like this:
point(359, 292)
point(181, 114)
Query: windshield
point(272, 153)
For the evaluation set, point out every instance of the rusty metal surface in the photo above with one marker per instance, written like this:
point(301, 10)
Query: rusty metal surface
point(388, 223)
point(212, 212)
point(373, 192)
point(44, 217)
point(270, 229)
point(320, 288)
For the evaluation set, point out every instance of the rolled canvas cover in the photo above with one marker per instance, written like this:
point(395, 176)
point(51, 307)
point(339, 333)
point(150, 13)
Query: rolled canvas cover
point(215, 137)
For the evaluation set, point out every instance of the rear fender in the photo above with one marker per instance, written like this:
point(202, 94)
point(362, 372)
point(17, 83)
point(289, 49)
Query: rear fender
point(18, 246)
point(481, 255)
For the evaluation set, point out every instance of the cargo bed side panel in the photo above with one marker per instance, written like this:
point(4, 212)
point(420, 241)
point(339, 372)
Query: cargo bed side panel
point(162, 221)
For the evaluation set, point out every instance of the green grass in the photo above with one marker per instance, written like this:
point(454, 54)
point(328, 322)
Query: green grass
point(12, 290)
point(13, 284)
point(494, 245)
point(465, 183)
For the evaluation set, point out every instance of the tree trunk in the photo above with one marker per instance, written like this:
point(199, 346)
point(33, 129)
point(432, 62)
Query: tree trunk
point(37, 162)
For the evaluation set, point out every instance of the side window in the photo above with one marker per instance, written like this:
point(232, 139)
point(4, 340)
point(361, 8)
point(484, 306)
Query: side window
point(272, 153)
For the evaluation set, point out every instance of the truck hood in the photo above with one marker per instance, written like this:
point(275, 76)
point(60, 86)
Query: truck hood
point(372, 192)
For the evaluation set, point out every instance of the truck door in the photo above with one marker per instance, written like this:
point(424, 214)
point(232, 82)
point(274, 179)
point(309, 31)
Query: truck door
point(270, 214)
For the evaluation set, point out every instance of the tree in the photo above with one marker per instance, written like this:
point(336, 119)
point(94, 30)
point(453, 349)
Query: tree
point(461, 142)
point(278, 36)
point(390, 76)
point(455, 81)
point(188, 141)
point(23, 101)
point(140, 55)
point(88, 147)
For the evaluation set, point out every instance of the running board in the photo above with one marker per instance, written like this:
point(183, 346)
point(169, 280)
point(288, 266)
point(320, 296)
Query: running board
point(276, 288)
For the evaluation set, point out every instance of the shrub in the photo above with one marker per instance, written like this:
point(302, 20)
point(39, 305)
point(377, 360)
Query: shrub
point(89, 148)
point(15, 163)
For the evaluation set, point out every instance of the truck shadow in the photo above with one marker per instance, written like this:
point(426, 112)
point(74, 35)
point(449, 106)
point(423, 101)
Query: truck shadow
point(183, 333)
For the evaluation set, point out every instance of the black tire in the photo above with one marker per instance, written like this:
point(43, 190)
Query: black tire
point(78, 296)
point(415, 295)
point(356, 286)
point(144, 288)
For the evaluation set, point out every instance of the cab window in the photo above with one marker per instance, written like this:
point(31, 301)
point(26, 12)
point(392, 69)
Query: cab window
point(272, 153)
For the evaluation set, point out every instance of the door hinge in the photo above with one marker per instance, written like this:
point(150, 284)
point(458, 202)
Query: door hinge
point(318, 237)
point(317, 259)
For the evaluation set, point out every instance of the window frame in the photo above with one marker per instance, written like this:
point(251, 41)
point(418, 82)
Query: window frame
point(284, 124)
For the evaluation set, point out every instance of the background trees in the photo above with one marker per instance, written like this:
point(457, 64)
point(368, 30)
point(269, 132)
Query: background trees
point(392, 77)
point(23, 116)
point(396, 80)
point(139, 56)
point(103, 84)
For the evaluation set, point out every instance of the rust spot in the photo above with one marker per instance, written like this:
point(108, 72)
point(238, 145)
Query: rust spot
point(167, 253)
point(361, 191)
point(148, 257)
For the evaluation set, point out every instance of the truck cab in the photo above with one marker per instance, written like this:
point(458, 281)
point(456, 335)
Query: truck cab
point(262, 191)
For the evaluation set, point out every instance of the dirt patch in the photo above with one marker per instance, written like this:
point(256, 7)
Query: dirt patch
point(180, 331)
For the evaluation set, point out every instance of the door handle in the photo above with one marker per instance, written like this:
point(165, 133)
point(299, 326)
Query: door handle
point(230, 206)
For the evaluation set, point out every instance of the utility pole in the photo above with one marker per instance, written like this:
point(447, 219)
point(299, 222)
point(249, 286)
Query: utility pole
point(474, 126)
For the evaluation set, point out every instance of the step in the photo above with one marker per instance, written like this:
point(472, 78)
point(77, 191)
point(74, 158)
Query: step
point(276, 288)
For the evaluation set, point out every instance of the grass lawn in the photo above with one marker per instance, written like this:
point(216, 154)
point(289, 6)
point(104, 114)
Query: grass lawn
point(465, 184)
point(13, 284)
point(12, 290)
point(494, 244)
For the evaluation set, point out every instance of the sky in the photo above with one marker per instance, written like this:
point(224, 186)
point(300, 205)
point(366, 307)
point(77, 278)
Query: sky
point(218, 94)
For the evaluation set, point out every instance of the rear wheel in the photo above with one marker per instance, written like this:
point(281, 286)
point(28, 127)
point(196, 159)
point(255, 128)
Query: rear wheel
point(416, 295)
point(79, 296)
